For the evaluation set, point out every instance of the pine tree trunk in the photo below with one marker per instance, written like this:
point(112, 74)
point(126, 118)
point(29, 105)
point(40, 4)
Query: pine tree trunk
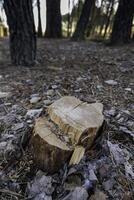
point(72, 17)
point(109, 17)
point(53, 24)
point(91, 21)
point(79, 33)
point(22, 31)
point(79, 9)
point(123, 22)
point(39, 20)
point(69, 19)
point(102, 15)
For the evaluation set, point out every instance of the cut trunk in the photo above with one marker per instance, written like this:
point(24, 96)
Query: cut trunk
point(68, 131)
point(123, 22)
point(22, 31)
point(53, 24)
point(39, 20)
point(79, 33)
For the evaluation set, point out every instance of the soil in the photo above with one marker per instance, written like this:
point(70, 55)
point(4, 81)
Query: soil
point(90, 71)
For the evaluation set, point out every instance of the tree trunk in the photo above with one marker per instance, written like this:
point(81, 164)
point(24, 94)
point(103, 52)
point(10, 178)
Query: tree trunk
point(102, 16)
point(79, 8)
point(72, 17)
point(109, 17)
point(53, 24)
point(91, 21)
point(123, 22)
point(69, 19)
point(39, 20)
point(22, 31)
point(79, 33)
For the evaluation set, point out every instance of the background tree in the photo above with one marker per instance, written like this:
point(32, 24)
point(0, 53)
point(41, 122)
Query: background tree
point(122, 27)
point(79, 33)
point(102, 20)
point(53, 19)
point(39, 20)
point(22, 31)
point(91, 20)
point(109, 14)
point(69, 19)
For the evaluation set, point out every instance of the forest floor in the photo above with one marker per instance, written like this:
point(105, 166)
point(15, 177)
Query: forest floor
point(92, 72)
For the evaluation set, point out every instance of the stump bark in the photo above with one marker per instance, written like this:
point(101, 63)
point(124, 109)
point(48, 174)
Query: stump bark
point(50, 153)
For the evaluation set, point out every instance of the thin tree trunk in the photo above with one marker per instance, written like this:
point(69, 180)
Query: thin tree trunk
point(53, 24)
point(109, 17)
point(72, 18)
point(22, 31)
point(78, 10)
point(106, 16)
point(69, 19)
point(39, 20)
point(79, 33)
point(123, 22)
point(101, 18)
point(91, 21)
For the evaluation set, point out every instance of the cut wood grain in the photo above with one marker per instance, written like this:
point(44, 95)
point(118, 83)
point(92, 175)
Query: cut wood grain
point(77, 155)
point(81, 121)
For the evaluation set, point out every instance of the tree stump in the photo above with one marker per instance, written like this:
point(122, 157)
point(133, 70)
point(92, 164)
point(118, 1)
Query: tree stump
point(66, 133)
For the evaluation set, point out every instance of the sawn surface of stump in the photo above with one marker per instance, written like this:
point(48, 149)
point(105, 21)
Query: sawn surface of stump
point(76, 118)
